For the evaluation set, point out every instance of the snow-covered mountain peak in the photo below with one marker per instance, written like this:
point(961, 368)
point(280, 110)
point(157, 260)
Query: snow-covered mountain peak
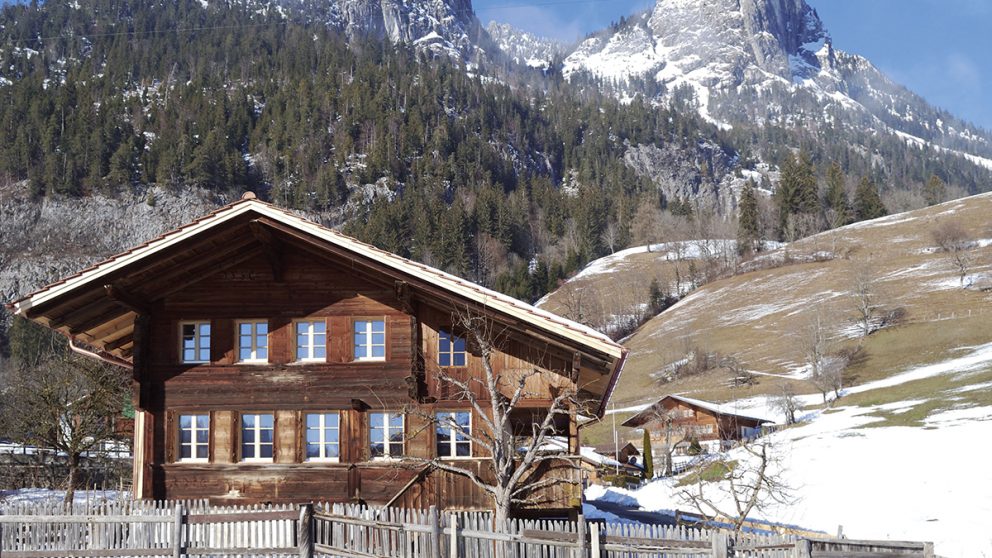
point(525, 48)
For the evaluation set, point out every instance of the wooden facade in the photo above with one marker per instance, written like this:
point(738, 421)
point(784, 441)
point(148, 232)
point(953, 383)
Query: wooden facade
point(685, 420)
point(250, 261)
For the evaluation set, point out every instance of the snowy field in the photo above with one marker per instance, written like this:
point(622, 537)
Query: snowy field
point(928, 484)
point(34, 495)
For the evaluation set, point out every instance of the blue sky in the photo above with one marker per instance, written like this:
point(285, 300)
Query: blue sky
point(941, 49)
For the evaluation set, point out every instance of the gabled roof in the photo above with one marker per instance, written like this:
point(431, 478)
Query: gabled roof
point(650, 412)
point(80, 293)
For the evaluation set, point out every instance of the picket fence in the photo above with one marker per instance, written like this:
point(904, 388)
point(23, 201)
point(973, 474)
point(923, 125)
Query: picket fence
point(187, 529)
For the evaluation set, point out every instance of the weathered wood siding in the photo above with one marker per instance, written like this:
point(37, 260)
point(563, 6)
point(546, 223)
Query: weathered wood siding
point(313, 288)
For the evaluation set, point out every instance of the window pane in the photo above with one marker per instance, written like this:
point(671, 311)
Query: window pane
point(361, 326)
point(359, 351)
point(185, 436)
point(313, 420)
point(265, 436)
point(202, 452)
point(463, 419)
point(331, 435)
point(247, 451)
point(248, 436)
point(262, 328)
point(444, 359)
point(244, 354)
point(395, 420)
point(377, 449)
point(444, 344)
point(189, 355)
point(463, 449)
point(375, 435)
point(313, 436)
point(378, 338)
point(319, 327)
point(378, 351)
point(459, 359)
point(202, 421)
point(331, 420)
point(248, 421)
point(313, 451)
point(205, 353)
point(459, 345)
point(244, 329)
point(204, 330)
point(331, 450)
point(262, 354)
point(266, 421)
point(266, 452)
point(379, 326)
point(319, 351)
point(395, 450)
point(185, 421)
point(377, 419)
point(185, 452)
point(189, 330)
point(301, 351)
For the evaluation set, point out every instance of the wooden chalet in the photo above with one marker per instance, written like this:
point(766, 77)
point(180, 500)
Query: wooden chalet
point(686, 420)
point(276, 360)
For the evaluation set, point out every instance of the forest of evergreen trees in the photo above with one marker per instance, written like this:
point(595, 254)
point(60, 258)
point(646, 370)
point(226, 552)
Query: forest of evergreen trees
point(514, 183)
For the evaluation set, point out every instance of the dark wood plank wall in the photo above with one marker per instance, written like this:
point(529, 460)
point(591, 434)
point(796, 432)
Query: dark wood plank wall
point(313, 288)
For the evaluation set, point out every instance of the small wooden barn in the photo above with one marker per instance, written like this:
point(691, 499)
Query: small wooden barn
point(683, 420)
point(276, 360)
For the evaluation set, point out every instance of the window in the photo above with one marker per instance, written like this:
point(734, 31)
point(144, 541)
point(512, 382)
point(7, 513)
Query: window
point(370, 340)
point(451, 350)
point(253, 341)
point(256, 437)
point(323, 431)
point(452, 434)
point(196, 341)
point(386, 435)
point(194, 437)
point(311, 341)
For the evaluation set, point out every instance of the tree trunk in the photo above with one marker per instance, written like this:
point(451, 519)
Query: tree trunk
point(73, 480)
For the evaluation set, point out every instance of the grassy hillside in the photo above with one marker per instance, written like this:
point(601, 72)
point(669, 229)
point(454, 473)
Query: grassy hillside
point(762, 318)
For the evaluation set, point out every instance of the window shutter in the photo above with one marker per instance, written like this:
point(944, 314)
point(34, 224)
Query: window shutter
point(171, 437)
point(223, 342)
point(340, 339)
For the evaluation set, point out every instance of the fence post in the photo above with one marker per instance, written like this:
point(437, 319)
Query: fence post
point(801, 549)
point(453, 536)
point(718, 542)
point(927, 550)
point(594, 540)
point(435, 520)
point(177, 533)
point(305, 534)
point(580, 551)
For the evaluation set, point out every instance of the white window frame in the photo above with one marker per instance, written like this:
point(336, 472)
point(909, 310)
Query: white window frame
point(257, 443)
point(322, 428)
point(451, 352)
point(387, 454)
point(453, 431)
point(311, 347)
point(197, 341)
point(254, 341)
point(193, 443)
point(369, 331)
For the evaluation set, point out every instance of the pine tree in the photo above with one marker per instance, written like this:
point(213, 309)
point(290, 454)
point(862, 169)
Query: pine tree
point(797, 192)
point(837, 204)
point(935, 191)
point(748, 228)
point(648, 456)
point(867, 201)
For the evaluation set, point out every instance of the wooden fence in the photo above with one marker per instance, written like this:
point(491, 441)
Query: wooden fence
point(186, 529)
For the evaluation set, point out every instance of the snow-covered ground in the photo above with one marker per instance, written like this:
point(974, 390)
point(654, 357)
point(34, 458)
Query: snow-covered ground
point(901, 483)
point(47, 495)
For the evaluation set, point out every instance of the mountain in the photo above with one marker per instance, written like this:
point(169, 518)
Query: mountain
point(769, 62)
point(525, 48)
point(447, 27)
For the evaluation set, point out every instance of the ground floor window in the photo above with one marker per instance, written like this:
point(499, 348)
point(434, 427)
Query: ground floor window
point(385, 435)
point(452, 432)
point(257, 431)
point(323, 436)
point(194, 437)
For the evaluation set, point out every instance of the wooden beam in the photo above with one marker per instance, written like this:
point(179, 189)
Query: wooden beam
point(204, 271)
point(123, 298)
point(270, 247)
point(119, 342)
point(165, 280)
point(95, 321)
point(88, 309)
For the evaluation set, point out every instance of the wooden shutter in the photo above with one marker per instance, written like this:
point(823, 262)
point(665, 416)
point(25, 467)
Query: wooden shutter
point(340, 339)
point(171, 437)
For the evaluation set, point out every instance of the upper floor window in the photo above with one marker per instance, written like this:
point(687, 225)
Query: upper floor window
point(370, 340)
point(194, 437)
point(451, 350)
point(311, 340)
point(196, 341)
point(253, 341)
point(452, 431)
point(323, 436)
point(256, 436)
point(386, 435)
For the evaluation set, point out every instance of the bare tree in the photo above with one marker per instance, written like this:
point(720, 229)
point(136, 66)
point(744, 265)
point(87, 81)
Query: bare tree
point(954, 241)
point(866, 296)
point(514, 460)
point(825, 369)
point(739, 374)
point(786, 402)
point(676, 432)
point(611, 236)
point(66, 403)
point(749, 485)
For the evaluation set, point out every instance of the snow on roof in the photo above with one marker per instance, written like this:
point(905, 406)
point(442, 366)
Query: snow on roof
point(715, 407)
point(498, 301)
point(587, 453)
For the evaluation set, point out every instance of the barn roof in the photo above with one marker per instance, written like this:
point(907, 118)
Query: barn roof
point(648, 414)
point(98, 305)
